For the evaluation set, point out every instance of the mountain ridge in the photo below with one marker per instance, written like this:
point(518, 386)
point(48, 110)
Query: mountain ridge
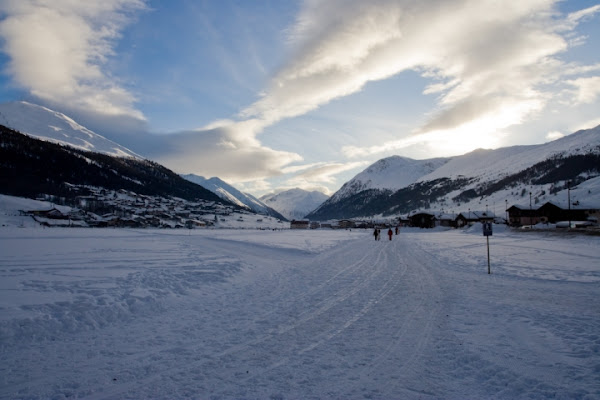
point(479, 179)
point(32, 167)
point(233, 195)
point(382, 175)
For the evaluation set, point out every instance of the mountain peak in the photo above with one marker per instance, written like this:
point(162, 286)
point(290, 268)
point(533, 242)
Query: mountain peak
point(294, 203)
point(390, 173)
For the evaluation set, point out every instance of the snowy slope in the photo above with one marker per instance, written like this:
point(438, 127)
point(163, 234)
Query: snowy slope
point(491, 164)
point(219, 187)
point(230, 193)
point(294, 203)
point(390, 173)
point(43, 123)
point(311, 314)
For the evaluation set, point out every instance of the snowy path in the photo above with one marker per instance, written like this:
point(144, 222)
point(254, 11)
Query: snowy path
point(104, 314)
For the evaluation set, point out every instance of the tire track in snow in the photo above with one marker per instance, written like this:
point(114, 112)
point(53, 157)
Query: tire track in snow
point(371, 283)
point(343, 284)
point(401, 356)
point(409, 338)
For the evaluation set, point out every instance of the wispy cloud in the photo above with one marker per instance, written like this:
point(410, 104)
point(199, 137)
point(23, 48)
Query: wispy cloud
point(490, 63)
point(587, 90)
point(58, 50)
point(317, 176)
point(325, 173)
point(577, 16)
point(221, 151)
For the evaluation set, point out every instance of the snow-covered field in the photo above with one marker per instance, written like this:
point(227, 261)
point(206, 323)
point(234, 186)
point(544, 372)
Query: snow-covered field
point(221, 314)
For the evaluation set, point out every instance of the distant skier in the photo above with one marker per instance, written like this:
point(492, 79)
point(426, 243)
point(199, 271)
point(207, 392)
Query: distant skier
point(397, 230)
point(390, 233)
point(375, 233)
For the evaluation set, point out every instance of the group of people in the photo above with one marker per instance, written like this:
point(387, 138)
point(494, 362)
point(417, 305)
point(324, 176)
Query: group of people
point(377, 233)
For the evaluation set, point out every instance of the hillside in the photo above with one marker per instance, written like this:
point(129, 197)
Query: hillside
point(233, 195)
point(388, 174)
point(45, 124)
point(31, 168)
point(481, 179)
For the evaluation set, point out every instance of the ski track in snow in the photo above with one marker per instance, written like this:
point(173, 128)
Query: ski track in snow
point(132, 314)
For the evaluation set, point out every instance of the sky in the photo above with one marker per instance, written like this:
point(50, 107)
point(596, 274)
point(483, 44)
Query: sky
point(272, 95)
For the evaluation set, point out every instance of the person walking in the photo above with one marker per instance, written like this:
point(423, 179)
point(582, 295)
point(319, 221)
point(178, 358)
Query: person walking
point(375, 233)
point(390, 233)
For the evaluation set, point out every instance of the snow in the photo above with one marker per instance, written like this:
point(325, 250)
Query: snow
point(221, 189)
point(43, 123)
point(294, 203)
point(391, 173)
point(492, 164)
point(226, 313)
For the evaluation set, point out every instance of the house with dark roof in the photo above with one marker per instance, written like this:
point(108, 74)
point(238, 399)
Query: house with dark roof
point(552, 212)
point(470, 217)
point(299, 224)
point(422, 220)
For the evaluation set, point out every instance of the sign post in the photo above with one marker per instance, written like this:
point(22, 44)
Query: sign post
point(487, 232)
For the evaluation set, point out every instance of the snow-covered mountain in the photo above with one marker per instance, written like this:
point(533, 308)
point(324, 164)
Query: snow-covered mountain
point(36, 168)
point(493, 164)
point(294, 203)
point(230, 193)
point(476, 180)
point(43, 123)
point(391, 173)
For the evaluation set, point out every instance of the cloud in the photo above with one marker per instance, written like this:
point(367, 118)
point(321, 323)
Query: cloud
point(490, 64)
point(316, 176)
point(587, 125)
point(554, 135)
point(341, 46)
point(326, 172)
point(58, 51)
point(585, 13)
point(223, 152)
point(587, 90)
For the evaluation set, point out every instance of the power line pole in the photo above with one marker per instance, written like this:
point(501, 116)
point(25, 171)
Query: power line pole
point(530, 213)
point(569, 200)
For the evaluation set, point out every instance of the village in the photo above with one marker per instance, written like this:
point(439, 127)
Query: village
point(549, 214)
point(125, 209)
point(122, 208)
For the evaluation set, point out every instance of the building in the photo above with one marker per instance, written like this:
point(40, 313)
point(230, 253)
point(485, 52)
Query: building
point(471, 217)
point(346, 224)
point(300, 224)
point(552, 212)
point(447, 220)
point(422, 220)
point(519, 215)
